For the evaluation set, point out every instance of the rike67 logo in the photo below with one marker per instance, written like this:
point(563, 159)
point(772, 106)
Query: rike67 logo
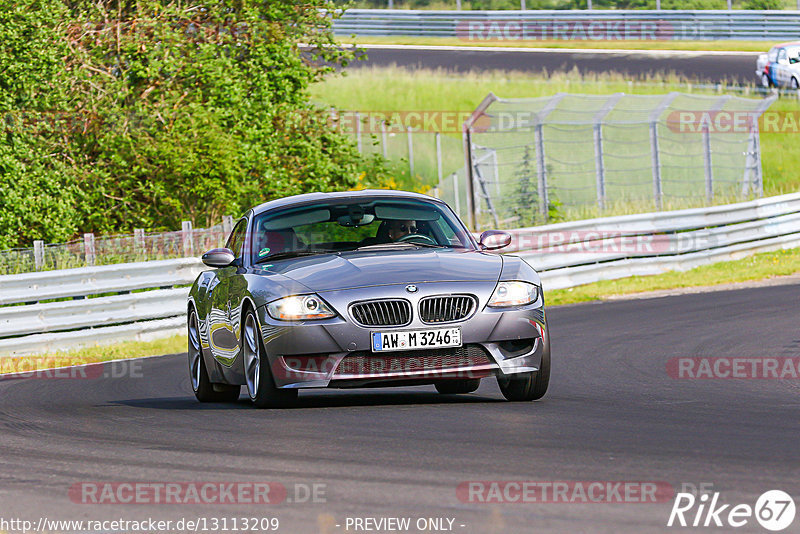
point(774, 510)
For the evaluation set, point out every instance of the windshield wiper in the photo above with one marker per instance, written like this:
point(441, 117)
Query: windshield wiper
point(399, 244)
point(294, 254)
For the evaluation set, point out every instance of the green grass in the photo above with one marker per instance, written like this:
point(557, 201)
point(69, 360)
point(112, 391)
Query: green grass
point(725, 46)
point(94, 354)
point(757, 267)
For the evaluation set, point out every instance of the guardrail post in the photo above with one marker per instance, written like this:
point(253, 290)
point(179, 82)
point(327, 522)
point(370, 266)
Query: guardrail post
point(38, 254)
point(88, 249)
point(186, 235)
point(138, 240)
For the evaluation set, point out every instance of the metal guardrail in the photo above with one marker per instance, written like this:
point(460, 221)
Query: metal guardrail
point(566, 254)
point(121, 277)
point(576, 25)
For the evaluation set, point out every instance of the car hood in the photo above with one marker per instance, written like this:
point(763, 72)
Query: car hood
point(327, 272)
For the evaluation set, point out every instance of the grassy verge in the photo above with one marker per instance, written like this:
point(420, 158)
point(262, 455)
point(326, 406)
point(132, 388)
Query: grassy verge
point(757, 267)
point(720, 46)
point(96, 354)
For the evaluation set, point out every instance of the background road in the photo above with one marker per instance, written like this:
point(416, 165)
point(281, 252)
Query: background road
point(612, 414)
point(716, 68)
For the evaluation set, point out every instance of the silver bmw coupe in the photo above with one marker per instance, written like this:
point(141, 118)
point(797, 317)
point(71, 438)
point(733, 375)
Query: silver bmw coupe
point(363, 289)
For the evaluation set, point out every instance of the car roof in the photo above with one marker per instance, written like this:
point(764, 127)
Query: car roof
point(338, 195)
point(790, 43)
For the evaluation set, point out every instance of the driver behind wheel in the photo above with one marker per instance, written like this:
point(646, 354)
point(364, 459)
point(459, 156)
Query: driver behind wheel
point(400, 229)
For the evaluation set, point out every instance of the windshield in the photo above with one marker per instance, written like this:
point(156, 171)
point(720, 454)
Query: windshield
point(367, 223)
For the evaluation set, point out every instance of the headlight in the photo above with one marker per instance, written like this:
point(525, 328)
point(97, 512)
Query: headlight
point(299, 308)
point(513, 294)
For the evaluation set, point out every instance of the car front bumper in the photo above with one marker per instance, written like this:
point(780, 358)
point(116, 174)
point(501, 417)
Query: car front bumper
point(337, 352)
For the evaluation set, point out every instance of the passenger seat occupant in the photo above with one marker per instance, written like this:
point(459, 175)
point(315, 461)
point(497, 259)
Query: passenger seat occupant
point(274, 241)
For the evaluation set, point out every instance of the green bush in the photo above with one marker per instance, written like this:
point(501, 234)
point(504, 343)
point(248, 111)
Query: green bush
point(149, 113)
point(763, 4)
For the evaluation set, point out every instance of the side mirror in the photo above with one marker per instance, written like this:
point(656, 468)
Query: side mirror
point(218, 257)
point(494, 239)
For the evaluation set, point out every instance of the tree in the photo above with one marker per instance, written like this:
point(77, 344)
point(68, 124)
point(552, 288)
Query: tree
point(176, 111)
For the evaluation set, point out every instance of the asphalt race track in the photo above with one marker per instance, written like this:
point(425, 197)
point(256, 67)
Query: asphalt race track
point(612, 414)
point(738, 68)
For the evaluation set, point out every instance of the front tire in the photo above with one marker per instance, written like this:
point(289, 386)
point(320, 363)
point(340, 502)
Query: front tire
point(258, 376)
point(203, 389)
point(458, 387)
point(794, 84)
point(528, 386)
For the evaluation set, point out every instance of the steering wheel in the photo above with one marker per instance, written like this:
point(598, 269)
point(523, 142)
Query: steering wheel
point(422, 237)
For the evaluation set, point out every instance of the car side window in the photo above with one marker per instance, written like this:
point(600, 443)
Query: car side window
point(773, 55)
point(236, 239)
point(782, 57)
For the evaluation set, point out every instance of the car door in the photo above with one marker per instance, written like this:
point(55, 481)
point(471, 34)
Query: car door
point(223, 338)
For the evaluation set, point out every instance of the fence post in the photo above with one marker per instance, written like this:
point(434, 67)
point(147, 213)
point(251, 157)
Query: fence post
point(656, 159)
point(709, 171)
point(439, 156)
point(456, 195)
point(38, 254)
point(655, 153)
point(599, 167)
point(599, 164)
point(707, 163)
point(753, 158)
point(384, 139)
point(358, 132)
point(469, 170)
point(138, 240)
point(541, 169)
point(227, 225)
point(410, 152)
point(186, 235)
point(88, 249)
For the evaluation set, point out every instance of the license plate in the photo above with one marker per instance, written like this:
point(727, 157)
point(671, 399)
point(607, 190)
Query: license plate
point(416, 339)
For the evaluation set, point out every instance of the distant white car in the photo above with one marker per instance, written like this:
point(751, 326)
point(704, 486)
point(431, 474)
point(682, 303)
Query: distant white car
point(780, 67)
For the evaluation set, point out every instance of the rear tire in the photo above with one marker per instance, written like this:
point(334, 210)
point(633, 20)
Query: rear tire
point(458, 387)
point(260, 385)
point(765, 81)
point(528, 386)
point(204, 390)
